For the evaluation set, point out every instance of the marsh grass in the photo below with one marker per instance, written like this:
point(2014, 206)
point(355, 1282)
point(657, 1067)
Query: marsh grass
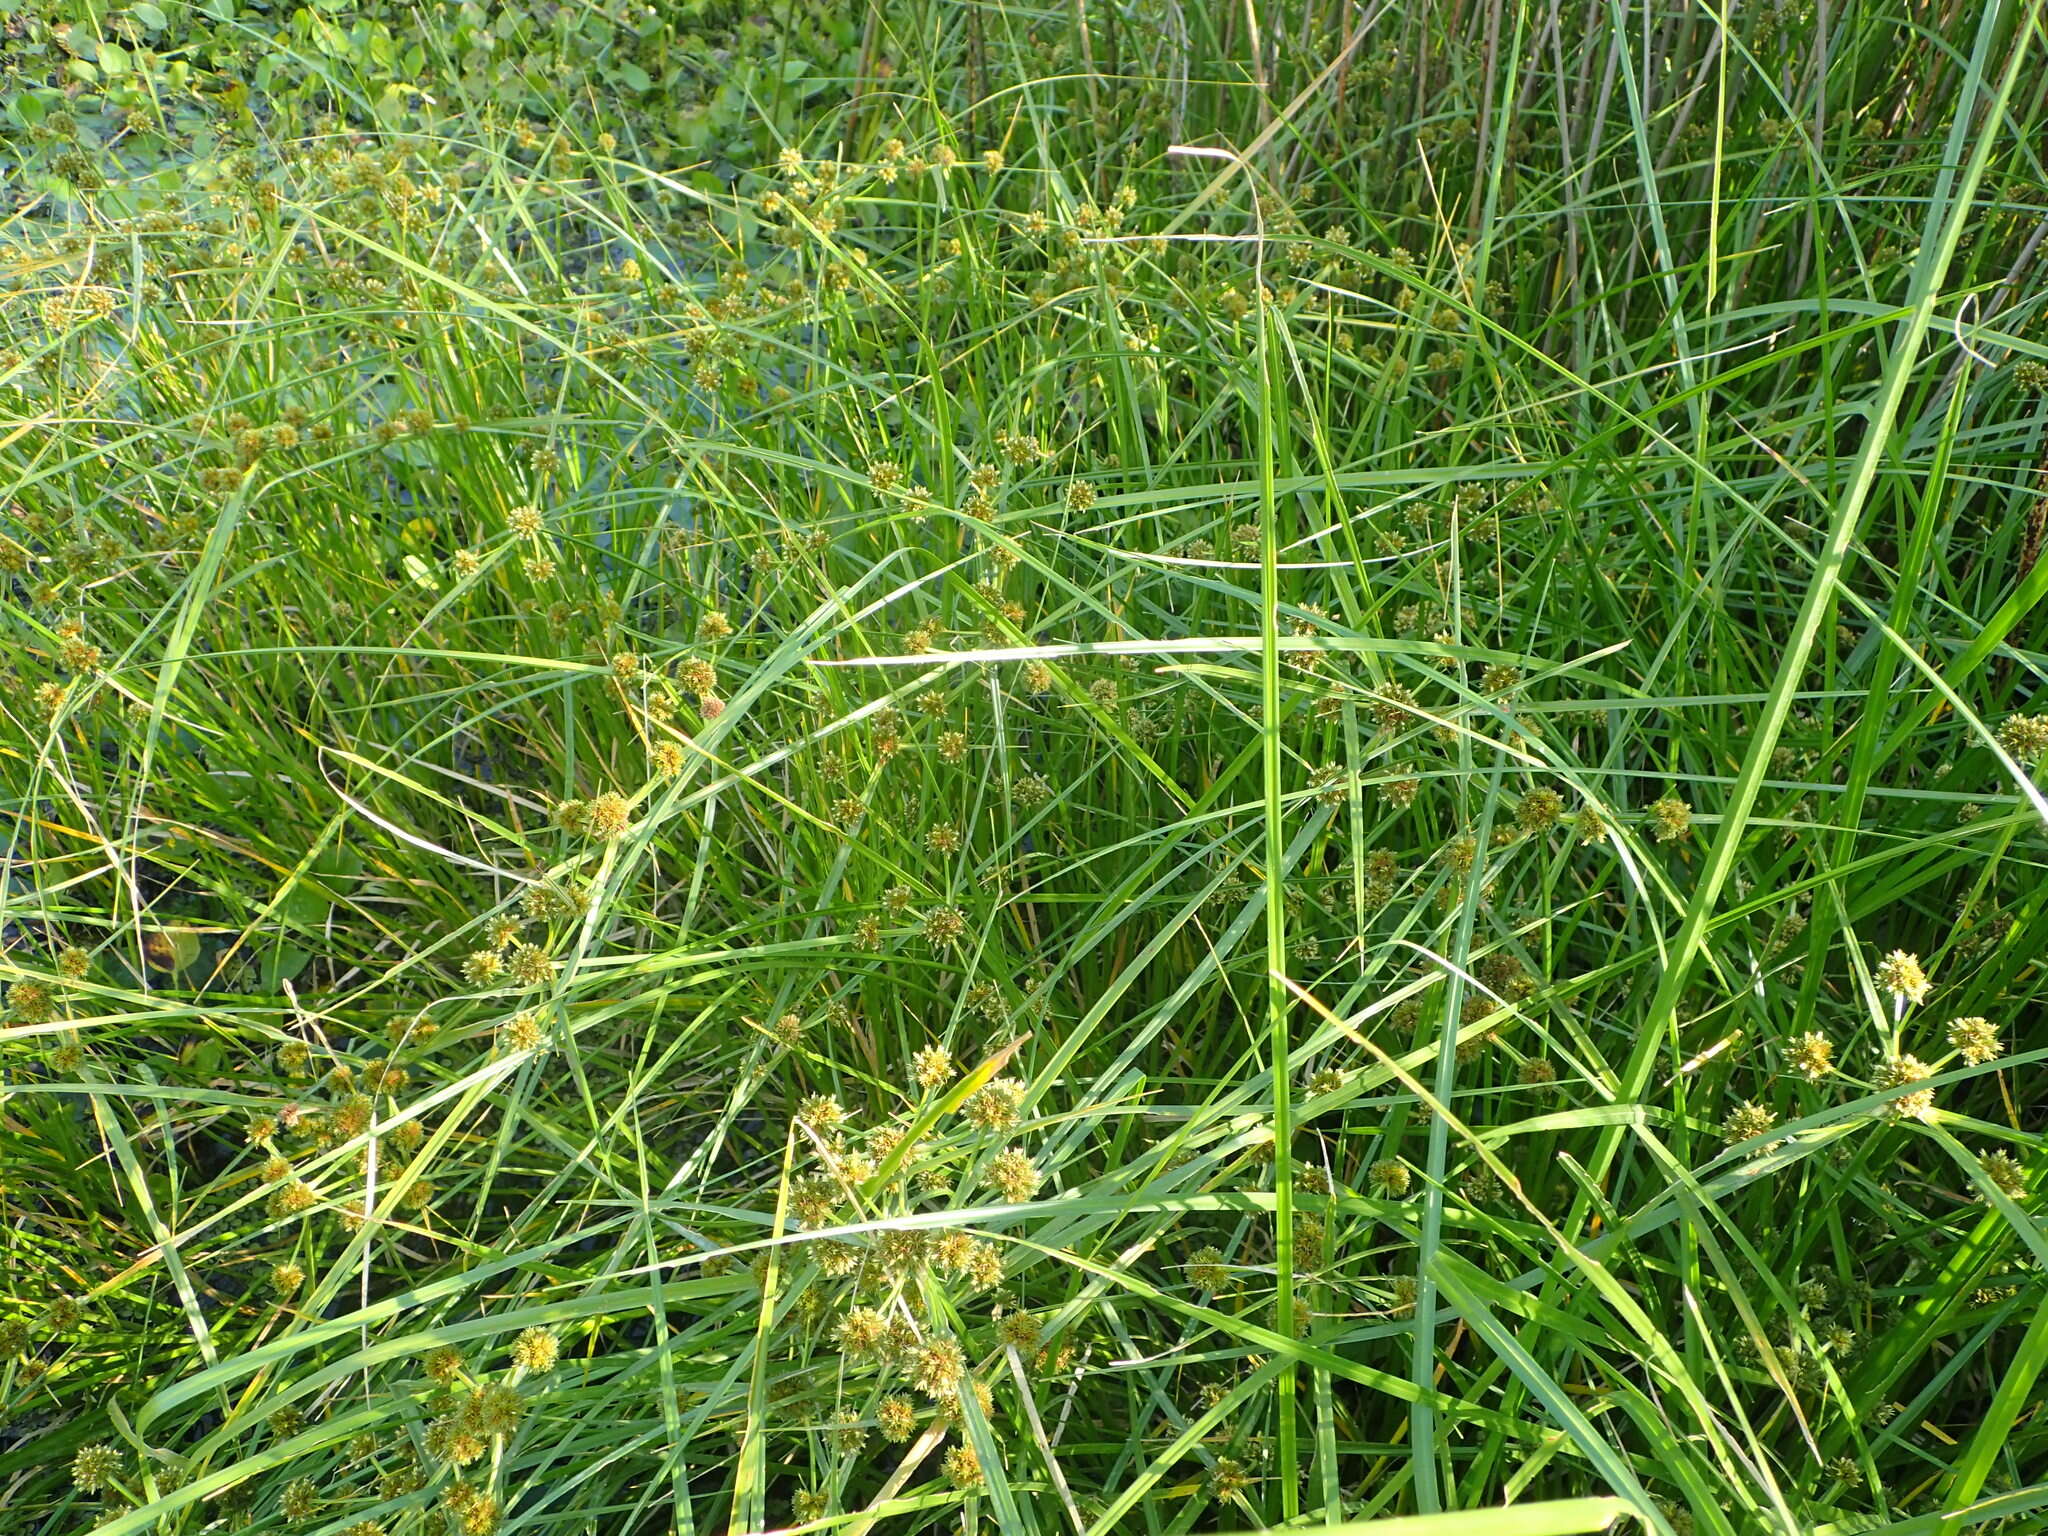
point(1212, 769)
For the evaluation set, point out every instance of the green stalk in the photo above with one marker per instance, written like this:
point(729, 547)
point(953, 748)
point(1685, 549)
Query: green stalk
point(1276, 929)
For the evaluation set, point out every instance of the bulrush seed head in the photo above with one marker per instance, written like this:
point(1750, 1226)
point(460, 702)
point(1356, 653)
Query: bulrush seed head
point(536, 1350)
point(2007, 1173)
point(1897, 1072)
point(1975, 1039)
point(1539, 811)
point(1013, 1175)
point(96, 1468)
point(896, 1419)
point(932, 1068)
point(1670, 819)
point(2025, 737)
point(608, 816)
point(997, 1106)
point(1899, 973)
point(1746, 1120)
point(1812, 1056)
point(936, 1366)
point(944, 927)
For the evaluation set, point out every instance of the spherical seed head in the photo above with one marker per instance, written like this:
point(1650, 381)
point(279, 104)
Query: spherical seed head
point(962, 1470)
point(1310, 1233)
point(1812, 1055)
point(1670, 819)
point(286, 1278)
point(96, 1468)
point(609, 815)
point(536, 1350)
point(1537, 1072)
point(1392, 705)
point(983, 1266)
point(73, 963)
point(1020, 1331)
point(997, 1106)
point(2025, 738)
point(848, 1433)
point(1976, 1039)
point(1897, 1072)
point(944, 926)
point(1032, 790)
point(822, 1113)
point(1899, 973)
point(861, 1331)
point(530, 966)
point(1229, 1477)
point(549, 900)
point(1590, 825)
point(2007, 1173)
point(522, 1032)
point(301, 1499)
point(1481, 1185)
point(1539, 811)
point(31, 1003)
point(1390, 1176)
point(444, 1364)
point(475, 1512)
point(494, 1409)
point(936, 1366)
point(943, 838)
point(932, 1067)
point(524, 521)
point(1745, 1120)
point(896, 1419)
point(482, 967)
point(1013, 1175)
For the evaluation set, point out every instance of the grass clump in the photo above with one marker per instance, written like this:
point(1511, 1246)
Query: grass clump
point(1161, 769)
